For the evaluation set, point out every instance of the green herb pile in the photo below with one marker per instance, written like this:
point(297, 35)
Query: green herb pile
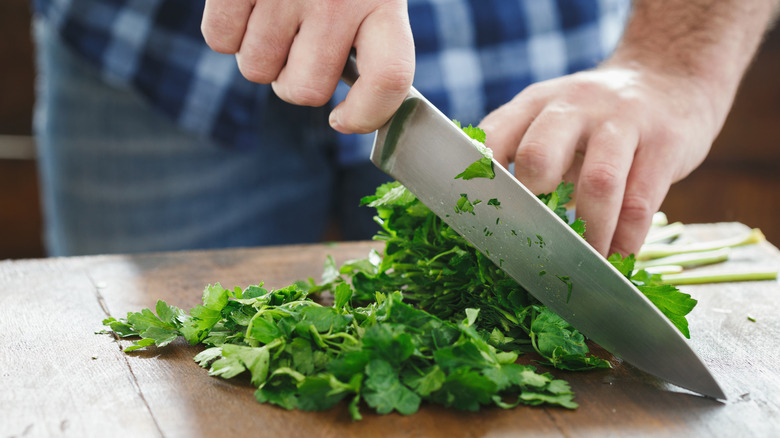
point(439, 271)
point(429, 319)
point(302, 355)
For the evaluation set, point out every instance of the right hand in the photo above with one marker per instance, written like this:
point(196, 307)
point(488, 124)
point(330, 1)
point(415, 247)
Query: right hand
point(300, 48)
point(623, 133)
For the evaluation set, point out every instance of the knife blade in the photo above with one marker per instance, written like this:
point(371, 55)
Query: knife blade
point(424, 150)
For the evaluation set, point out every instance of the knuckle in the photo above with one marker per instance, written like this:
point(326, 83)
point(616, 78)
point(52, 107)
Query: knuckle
point(256, 71)
point(217, 40)
point(307, 95)
point(559, 111)
point(611, 129)
point(617, 133)
point(532, 157)
point(636, 209)
point(601, 179)
point(630, 100)
point(261, 60)
point(394, 79)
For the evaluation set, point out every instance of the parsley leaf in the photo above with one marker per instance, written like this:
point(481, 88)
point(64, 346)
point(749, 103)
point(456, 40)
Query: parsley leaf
point(385, 392)
point(483, 167)
point(474, 132)
point(463, 205)
point(674, 304)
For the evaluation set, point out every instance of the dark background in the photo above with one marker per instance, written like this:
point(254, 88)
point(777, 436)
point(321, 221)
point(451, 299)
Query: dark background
point(739, 181)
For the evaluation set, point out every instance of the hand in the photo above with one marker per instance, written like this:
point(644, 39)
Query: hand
point(300, 48)
point(623, 133)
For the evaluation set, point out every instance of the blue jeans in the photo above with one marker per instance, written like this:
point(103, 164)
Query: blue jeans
point(116, 176)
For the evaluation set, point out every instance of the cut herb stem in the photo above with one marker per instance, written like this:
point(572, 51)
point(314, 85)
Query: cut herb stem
point(659, 219)
point(687, 259)
point(662, 233)
point(718, 277)
point(662, 269)
point(657, 250)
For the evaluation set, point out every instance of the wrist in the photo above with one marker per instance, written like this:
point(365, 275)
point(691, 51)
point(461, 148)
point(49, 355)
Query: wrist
point(703, 44)
point(681, 86)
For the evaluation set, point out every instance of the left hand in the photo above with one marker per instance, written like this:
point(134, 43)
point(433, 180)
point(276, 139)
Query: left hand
point(300, 48)
point(623, 133)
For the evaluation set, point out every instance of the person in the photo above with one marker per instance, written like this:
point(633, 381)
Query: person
point(148, 140)
point(624, 131)
point(117, 177)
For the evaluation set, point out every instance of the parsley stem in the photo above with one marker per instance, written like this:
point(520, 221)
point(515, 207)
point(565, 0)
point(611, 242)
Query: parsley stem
point(718, 277)
point(687, 259)
point(662, 233)
point(662, 270)
point(656, 250)
point(330, 338)
point(660, 219)
point(454, 249)
point(404, 266)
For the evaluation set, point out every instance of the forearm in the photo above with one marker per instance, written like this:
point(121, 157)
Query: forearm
point(708, 41)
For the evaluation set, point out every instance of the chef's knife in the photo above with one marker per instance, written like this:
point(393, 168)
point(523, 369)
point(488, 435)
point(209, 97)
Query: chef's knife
point(424, 150)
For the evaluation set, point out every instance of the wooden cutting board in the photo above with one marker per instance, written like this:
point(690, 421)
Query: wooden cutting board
point(59, 378)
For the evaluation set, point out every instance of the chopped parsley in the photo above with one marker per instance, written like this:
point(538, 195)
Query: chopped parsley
point(429, 320)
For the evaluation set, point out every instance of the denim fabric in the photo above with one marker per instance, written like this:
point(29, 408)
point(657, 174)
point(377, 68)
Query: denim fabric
point(117, 176)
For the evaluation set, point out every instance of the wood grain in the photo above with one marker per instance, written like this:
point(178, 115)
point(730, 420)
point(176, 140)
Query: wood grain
point(59, 378)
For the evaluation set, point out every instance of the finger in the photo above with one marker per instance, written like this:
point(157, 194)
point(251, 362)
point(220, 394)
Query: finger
point(385, 60)
point(648, 182)
point(269, 33)
point(505, 127)
point(572, 174)
point(547, 149)
point(317, 57)
point(224, 24)
point(601, 185)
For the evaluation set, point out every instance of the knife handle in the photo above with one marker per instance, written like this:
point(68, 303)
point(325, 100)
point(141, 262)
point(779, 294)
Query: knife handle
point(350, 73)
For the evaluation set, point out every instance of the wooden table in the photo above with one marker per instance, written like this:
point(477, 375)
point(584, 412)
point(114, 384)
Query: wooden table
point(59, 378)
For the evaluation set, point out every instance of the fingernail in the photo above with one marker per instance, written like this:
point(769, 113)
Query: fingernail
point(333, 119)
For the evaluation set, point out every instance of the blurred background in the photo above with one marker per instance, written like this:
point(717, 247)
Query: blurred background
point(739, 181)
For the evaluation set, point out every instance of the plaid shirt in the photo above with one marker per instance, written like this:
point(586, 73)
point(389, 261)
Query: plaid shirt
point(472, 56)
